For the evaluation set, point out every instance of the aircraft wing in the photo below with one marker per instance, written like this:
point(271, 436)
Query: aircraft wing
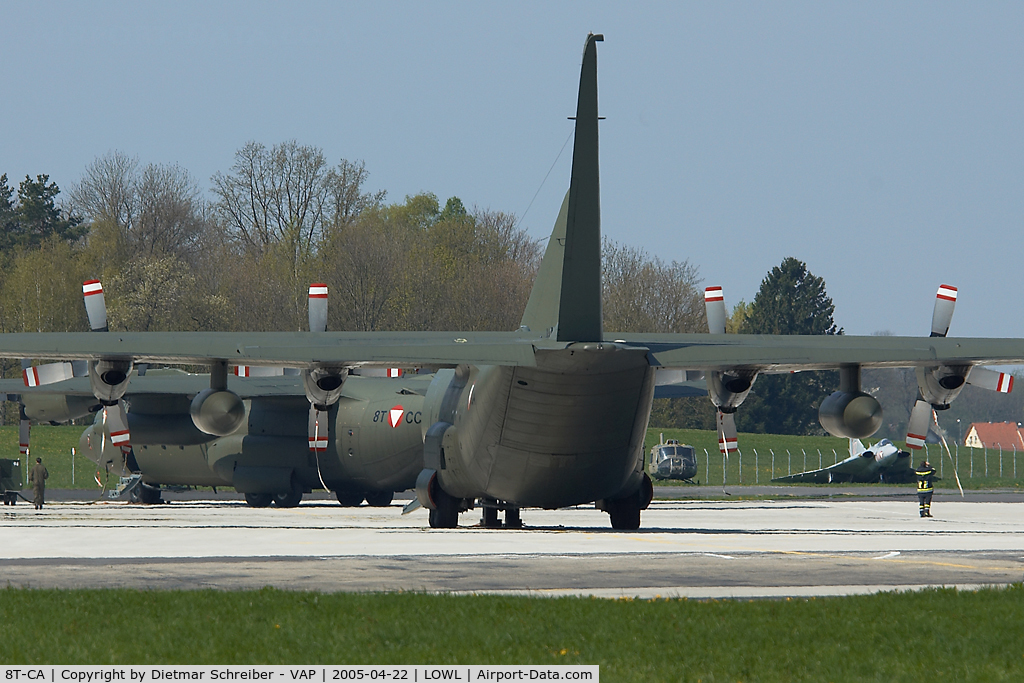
point(778, 353)
point(784, 353)
point(294, 349)
point(846, 470)
point(181, 384)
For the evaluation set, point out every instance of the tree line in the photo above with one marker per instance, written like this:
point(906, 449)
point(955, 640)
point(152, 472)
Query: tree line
point(239, 253)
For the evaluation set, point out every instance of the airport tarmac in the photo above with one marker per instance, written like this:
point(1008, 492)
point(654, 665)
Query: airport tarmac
point(692, 548)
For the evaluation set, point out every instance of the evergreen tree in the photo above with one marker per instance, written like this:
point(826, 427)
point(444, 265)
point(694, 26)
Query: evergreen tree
point(791, 301)
point(36, 216)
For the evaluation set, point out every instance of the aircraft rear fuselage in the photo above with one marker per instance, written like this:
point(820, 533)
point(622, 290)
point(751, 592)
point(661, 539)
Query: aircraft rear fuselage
point(565, 432)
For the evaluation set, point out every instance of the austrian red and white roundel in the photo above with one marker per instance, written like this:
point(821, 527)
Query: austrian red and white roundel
point(395, 416)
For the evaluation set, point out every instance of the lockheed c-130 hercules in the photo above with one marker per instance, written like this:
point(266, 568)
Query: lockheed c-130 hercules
point(552, 414)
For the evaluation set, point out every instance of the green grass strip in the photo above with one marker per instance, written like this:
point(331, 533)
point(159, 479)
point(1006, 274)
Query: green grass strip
point(940, 634)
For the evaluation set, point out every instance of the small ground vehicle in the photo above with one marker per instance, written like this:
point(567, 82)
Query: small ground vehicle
point(10, 480)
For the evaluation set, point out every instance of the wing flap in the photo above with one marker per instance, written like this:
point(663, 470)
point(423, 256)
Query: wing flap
point(783, 353)
point(295, 349)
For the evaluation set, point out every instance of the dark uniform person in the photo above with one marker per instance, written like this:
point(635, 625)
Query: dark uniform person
point(38, 477)
point(925, 476)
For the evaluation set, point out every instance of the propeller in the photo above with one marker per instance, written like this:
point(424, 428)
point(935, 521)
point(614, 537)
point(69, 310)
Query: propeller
point(317, 430)
point(24, 427)
point(727, 440)
point(726, 389)
point(947, 380)
point(318, 307)
point(318, 426)
point(714, 306)
point(95, 305)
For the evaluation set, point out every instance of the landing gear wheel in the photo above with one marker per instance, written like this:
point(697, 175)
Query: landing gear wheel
point(446, 514)
point(489, 519)
point(512, 519)
point(349, 499)
point(149, 495)
point(258, 500)
point(379, 499)
point(625, 517)
point(291, 498)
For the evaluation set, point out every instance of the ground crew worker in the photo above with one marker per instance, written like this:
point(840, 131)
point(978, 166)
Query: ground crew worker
point(38, 477)
point(925, 476)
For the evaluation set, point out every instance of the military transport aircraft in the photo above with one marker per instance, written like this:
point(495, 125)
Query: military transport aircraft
point(882, 462)
point(271, 457)
point(552, 414)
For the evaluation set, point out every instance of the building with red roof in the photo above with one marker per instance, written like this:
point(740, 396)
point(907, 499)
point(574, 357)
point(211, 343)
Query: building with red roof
point(1005, 435)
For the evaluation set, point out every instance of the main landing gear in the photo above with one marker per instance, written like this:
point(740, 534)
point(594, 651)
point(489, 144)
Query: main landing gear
point(446, 513)
point(288, 499)
point(377, 499)
point(625, 512)
point(145, 494)
point(489, 518)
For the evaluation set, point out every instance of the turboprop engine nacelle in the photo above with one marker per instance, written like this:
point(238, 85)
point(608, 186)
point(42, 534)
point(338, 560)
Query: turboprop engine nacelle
point(217, 411)
point(109, 379)
point(939, 386)
point(850, 414)
point(728, 389)
point(58, 408)
point(323, 385)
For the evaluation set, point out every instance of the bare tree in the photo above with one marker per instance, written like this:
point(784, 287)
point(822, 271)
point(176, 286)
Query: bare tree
point(645, 294)
point(158, 210)
point(108, 191)
point(287, 196)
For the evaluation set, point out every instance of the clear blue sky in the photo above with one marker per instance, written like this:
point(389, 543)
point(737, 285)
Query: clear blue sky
point(882, 143)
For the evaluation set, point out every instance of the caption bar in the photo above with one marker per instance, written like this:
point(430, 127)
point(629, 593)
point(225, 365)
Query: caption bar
point(299, 674)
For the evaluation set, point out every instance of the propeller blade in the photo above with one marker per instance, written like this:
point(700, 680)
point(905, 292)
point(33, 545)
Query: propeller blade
point(257, 371)
point(377, 372)
point(24, 426)
point(318, 433)
point(993, 380)
point(95, 305)
point(714, 306)
point(318, 307)
point(917, 428)
point(47, 374)
point(945, 302)
point(117, 424)
point(727, 440)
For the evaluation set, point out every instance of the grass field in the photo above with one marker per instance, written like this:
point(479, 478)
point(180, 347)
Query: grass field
point(930, 635)
point(764, 456)
point(53, 445)
point(752, 465)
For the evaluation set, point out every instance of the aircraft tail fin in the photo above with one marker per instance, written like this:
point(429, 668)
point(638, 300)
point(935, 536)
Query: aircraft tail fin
point(566, 297)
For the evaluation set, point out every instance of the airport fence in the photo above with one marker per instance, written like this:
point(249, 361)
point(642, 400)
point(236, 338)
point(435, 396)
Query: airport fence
point(763, 457)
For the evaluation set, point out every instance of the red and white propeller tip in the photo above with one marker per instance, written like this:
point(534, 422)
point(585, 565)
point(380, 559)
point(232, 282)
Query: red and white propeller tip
point(942, 314)
point(714, 306)
point(95, 305)
point(318, 307)
point(318, 432)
